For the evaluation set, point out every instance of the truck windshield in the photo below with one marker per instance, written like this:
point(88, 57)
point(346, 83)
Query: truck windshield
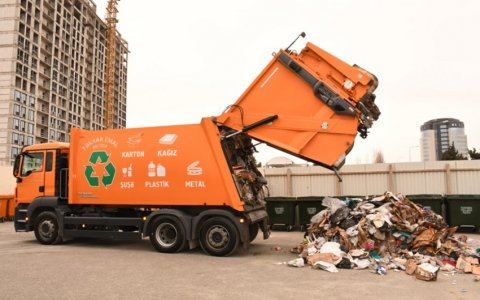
point(32, 162)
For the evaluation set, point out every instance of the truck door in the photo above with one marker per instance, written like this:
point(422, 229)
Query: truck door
point(31, 177)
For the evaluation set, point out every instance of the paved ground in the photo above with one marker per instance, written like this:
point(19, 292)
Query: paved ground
point(95, 269)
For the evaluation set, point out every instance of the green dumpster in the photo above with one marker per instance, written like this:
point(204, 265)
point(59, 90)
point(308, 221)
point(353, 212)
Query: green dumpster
point(281, 210)
point(463, 210)
point(344, 198)
point(308, 207)
point(430, 201)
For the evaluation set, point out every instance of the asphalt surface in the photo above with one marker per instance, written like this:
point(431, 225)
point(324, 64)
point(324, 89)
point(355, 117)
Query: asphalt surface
point(101, 269)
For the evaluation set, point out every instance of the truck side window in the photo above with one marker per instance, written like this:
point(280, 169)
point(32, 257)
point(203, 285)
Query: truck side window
point(32, 162)
point(49, 162)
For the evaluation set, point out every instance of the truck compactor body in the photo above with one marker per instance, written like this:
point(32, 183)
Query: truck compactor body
point(186, 185)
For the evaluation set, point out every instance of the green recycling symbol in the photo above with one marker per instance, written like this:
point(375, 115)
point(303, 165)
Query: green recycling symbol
point(99, 159)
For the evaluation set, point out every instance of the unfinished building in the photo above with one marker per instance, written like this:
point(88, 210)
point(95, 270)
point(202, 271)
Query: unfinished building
point(52, 72)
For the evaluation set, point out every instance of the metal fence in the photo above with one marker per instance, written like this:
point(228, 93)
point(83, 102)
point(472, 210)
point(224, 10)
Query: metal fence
point(438, 177)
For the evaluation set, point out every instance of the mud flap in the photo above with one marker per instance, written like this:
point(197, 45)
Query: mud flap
point(260, 217)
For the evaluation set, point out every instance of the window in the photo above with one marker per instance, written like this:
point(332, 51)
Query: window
point(31, 115)
point(29, 140)
point(30, 128)
point(15, 138)
point(15, 152)
point(32, 101)
point(16, 109)
point(19, 69)
point(32, 162)
point(16, 124)
point(24, 98)
point(18, 96)
point(21, 139)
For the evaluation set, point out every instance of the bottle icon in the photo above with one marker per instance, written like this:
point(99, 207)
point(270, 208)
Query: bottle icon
point(160, 170)
point(151, 169)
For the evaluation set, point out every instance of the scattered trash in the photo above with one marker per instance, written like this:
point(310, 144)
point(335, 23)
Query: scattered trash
point(381, 270)
point(277, 248)
point(427, 272)
point(298, 262)
point(386, 232)
point(325, 266)
point(411, 267)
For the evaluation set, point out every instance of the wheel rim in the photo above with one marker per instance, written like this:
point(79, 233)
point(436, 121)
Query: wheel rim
point(166, 234)
point(46, 229)
point(218, 237)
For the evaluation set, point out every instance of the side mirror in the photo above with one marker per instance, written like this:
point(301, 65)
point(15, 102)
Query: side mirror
point(16, 166)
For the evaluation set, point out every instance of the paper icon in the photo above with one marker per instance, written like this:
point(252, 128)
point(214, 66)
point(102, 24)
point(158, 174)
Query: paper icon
point(168, 139)
point(193, 169)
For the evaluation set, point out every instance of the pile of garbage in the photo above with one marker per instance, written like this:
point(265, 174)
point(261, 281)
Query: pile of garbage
point(384, 233)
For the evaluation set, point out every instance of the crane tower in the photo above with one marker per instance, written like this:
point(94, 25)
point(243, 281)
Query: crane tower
point(111, 21)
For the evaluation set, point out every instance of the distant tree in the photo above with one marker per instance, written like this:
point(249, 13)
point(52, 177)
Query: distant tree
point(379, 158)
point(452, 154)
point(474, 154)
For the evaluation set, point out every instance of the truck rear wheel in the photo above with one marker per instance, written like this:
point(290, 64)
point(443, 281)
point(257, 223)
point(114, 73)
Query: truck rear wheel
point(219, 237)
point(167, 235)
point(46, 228)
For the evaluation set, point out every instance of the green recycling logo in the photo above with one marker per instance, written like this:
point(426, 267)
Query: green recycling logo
point(101, 169)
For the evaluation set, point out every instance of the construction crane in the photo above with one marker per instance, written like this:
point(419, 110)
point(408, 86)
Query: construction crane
point(111, 20)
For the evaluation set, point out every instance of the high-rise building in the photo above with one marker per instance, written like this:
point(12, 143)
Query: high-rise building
point(52, 72)
point(439, 134)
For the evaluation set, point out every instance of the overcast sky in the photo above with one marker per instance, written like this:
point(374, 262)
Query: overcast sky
point(190, 59)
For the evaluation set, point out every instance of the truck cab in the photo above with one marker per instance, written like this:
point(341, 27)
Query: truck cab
point(41, 172)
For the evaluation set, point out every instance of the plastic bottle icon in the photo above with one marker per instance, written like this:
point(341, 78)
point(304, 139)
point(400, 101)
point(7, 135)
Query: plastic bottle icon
point(151, 169)
point(160, 170)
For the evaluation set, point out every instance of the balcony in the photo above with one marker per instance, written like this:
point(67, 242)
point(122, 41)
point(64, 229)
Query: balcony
point(44, 84)
point(47, 26)
point(49, 4)
point(48, 14)
point(46, 60)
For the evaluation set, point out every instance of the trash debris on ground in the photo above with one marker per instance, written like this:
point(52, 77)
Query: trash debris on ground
point(298, 262)
point(386, 232)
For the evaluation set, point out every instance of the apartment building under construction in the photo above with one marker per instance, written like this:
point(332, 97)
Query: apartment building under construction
point(52, 72)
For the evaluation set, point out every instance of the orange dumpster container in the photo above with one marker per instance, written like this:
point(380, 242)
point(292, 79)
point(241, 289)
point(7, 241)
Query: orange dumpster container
point(3, 207)
point(11, 207)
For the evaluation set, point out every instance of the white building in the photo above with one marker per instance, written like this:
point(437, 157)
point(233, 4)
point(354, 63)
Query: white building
point(438, 135)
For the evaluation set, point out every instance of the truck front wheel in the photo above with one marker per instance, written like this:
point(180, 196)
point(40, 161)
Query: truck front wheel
point(46, 228)
point(167, 235)
point(219, 237)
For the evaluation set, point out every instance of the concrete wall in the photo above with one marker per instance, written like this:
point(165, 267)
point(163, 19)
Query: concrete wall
point(7, 181)
point(438, 177)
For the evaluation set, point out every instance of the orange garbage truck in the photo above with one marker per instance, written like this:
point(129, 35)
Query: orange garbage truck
point(188, 185)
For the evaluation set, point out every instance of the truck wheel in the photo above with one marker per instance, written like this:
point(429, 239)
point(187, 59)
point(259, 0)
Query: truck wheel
point(46, 228)
point(167, 235)
point(253, 231)
point(219, 237)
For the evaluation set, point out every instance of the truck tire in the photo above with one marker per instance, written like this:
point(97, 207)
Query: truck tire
point(46, 228)
point(167, 235)
point(253, 231)
point(219, 237)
